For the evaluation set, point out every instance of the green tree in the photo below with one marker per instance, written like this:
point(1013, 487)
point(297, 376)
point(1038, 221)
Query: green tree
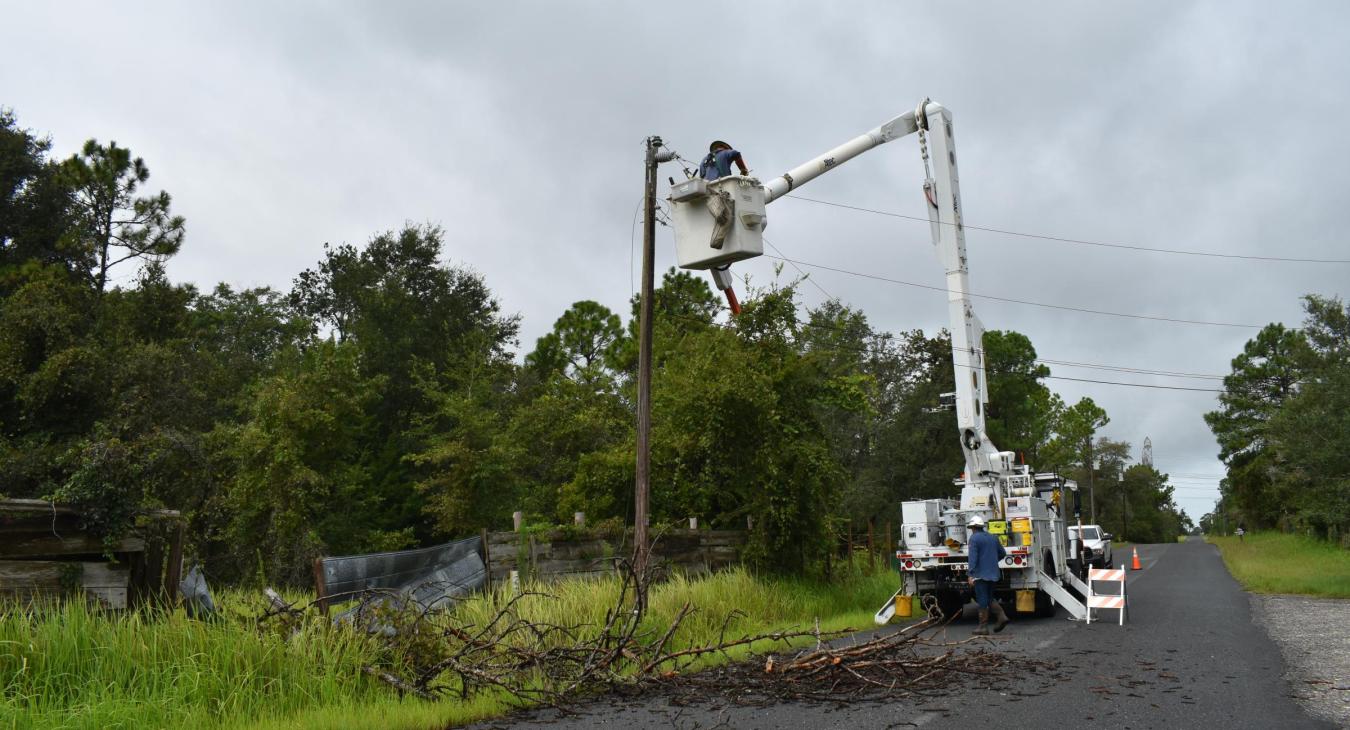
point(681, 303)
point(1021, 411)
point(1309, 432)
point(414, 321)
point(34, 207)
point(112, 222)
point(1111, 460)
point(1074, 445)
point(581, 344)
point(302, 484)
point(1153, 513)
point(1264, 378)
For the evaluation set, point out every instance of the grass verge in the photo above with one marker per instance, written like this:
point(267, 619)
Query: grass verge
point(1272, 562)
point(70, 667)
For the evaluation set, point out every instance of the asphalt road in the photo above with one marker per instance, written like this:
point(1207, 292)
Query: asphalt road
point(1189, 655)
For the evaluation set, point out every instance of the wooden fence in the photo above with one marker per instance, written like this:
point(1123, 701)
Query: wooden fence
point(553, 554)
point(45, 552)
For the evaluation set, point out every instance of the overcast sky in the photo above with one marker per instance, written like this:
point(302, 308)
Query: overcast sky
point(518, 126)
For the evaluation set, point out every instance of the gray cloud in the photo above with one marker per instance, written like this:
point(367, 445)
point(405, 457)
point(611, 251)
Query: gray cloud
point(1211, 126)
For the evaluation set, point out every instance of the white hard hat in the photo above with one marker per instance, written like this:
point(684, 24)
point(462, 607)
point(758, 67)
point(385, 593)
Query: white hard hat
point(976, 521)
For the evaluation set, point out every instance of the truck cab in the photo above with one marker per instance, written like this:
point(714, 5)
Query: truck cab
point(1096, 545)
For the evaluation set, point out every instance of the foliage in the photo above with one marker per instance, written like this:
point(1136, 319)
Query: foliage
point(301, 481)
point(1271, 562)
point(35, 208)
point(1282, 421)
point(1022, 412)
point(110, 221)
point(1265, 376)
point(1076, 428)
point(581, 344)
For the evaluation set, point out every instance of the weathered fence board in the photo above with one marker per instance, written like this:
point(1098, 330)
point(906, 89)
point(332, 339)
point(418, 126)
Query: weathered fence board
point(34, 578)
point(554, 554)
point(35, 545)
point(46, 550)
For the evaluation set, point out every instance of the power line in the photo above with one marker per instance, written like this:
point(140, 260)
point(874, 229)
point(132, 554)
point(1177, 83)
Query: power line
point(862, 350)
point(1127, 369)
point(1068, 363)
point(1079, 241)
point(799, 270)
point(1126, 315)
point(1135, 385)
point(1114, 368)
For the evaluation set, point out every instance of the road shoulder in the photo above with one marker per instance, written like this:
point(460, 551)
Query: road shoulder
point(1314, 640)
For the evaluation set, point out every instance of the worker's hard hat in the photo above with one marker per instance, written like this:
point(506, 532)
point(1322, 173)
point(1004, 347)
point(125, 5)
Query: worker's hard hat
point(976, 521)
point(717, 143)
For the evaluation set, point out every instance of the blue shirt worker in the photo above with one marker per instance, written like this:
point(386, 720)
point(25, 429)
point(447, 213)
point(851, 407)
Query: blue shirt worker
point(719, 160)
point(984, 553)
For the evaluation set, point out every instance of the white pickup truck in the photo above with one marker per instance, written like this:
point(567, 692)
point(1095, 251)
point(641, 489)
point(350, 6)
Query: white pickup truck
point(1096, 545)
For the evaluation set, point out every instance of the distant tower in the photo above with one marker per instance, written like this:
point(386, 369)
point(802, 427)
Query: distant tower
point(1146, 458)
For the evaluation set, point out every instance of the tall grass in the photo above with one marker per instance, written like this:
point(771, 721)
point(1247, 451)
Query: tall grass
point(74, 667)
point(1272, 562)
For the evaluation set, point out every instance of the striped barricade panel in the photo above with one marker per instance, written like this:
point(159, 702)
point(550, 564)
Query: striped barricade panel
point(1115, 600)
point(1106, 602)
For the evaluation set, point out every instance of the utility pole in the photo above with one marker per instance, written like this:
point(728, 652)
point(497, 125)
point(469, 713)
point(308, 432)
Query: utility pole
point(1124, 510)
point(1092, 486)
point(642, 487)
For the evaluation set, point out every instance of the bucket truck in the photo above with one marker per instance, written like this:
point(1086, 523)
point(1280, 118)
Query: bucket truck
point(722, 221)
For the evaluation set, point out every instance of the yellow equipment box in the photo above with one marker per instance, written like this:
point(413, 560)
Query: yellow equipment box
point(998, 527)
point(1026, 538)
point(1003, 540)
point(1021, 524)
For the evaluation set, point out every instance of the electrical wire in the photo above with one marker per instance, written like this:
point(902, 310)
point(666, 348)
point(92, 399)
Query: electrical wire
point(1063, 363)
point(1078, 241)
point(1134, 385)
point(862, 350)
point(805, 276)
point(1125, 315)
point(632, 247)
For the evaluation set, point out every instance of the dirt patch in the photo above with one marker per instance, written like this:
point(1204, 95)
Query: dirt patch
point(1312, 636)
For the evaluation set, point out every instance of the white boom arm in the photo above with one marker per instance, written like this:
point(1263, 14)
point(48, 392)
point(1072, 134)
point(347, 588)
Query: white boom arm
point(943, 194)
point(800, 175)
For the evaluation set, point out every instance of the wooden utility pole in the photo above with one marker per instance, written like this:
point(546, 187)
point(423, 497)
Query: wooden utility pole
point(1092, 482)
point(1124, 510)
point(642, 488)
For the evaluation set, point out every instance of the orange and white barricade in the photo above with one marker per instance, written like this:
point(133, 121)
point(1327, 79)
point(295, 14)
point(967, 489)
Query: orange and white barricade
point(1111, 600)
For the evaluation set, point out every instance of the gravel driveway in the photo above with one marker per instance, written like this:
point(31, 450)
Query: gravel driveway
point(1314, 636)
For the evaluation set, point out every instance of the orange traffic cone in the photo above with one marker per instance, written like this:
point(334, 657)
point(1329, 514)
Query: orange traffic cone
point(1136, 560)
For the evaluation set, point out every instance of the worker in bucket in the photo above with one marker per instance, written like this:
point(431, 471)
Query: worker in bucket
point(718, 162)
point(985, 552)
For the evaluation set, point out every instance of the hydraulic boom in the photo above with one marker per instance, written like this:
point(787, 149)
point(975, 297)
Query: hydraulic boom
point(722, 221)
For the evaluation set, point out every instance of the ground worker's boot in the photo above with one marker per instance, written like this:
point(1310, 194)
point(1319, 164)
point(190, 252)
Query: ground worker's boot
point(1000, 618)
point(983, 630)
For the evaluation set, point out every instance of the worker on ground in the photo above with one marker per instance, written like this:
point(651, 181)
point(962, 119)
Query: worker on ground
point(985, 552)
point(718, 162)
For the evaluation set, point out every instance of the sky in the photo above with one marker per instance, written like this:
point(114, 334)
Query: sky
point(518, 126)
